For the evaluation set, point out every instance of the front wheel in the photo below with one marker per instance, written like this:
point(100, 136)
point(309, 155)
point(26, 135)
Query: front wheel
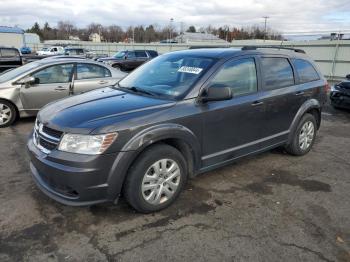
point(156, 179)
point(8, 114)
point(303, 137)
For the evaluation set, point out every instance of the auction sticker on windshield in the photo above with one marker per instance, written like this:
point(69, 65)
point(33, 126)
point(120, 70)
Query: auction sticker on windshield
point(190, 70)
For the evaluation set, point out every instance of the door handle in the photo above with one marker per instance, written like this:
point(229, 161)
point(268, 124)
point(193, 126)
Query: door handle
point(257, 103)
point(103, 82)
point(299, 93)
point(60, 88)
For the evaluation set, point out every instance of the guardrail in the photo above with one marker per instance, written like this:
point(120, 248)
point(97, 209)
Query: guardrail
point(332, 57)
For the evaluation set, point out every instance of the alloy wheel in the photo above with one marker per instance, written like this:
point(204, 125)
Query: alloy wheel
point(5, 114)
point(306, 135)
point(161, 181)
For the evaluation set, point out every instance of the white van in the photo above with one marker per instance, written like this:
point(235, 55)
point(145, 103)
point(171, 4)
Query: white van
point(53, 50)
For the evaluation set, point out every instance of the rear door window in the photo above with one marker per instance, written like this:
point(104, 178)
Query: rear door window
point(277, 72)
point(140, 54)
point(305, 70)
point(88, 71)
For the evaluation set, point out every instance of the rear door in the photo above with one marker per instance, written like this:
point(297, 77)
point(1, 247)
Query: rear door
point(91, 76)
point(52, 83)
point(280, 96)
point(141, 57)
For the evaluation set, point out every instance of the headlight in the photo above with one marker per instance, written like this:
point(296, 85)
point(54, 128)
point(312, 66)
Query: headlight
point(86, 144)
point(333, 88)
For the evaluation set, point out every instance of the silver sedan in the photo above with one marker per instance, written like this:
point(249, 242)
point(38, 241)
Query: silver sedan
point(24, 90)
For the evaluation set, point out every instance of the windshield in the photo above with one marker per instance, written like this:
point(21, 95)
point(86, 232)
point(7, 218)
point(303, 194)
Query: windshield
point(170, 75)
point(9, 75)
point(120, 54)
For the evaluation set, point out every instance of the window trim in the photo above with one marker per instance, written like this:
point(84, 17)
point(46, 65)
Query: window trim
point(236, 59)
point(76, 71)
point(297, 73)
point(263, 87)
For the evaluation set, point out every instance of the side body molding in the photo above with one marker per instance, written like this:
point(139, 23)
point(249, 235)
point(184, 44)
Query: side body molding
point(308, 105)
point(139, 142)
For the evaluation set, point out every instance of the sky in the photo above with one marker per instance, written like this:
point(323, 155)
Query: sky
point(288, 17)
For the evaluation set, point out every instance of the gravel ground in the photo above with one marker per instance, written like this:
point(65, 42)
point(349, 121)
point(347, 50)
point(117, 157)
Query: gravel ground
point(271, 207)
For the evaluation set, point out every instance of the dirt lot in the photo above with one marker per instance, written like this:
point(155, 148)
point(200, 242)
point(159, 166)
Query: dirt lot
point(271, 207)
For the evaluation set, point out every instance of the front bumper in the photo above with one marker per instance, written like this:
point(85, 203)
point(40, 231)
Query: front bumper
point(72, 179)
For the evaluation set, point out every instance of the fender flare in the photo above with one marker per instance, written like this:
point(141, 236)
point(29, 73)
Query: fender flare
point(142, 140)
point(308, 105)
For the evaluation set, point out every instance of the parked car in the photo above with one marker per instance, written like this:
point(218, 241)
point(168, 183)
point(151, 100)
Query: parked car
point(53, 50)
point(24, 90)
point(179, 115)
point(81, 52)
point(340, 94)
point(25, 50)
point(9, 58)
point(129, 60)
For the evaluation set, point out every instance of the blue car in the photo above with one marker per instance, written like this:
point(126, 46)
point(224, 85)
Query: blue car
point(25, 50)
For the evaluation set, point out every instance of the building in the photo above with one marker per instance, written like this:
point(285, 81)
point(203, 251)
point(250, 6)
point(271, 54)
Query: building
point(95, 37)
point(31, 39)
point(11, 36)
point(199, 38)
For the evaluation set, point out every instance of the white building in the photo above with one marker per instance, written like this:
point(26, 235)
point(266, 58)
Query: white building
point(95, 37)
point(11, 37)
point(31, 39)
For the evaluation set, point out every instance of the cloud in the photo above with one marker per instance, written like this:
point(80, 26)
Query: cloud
point(285, 16)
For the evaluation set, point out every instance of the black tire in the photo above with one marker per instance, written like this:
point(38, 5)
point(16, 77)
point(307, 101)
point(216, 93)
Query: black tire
point(294, 148)
point(9, 110)
point(118, 67)
point(132, 189)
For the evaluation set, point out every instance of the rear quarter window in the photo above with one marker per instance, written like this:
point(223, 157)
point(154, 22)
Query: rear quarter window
point(305, 71)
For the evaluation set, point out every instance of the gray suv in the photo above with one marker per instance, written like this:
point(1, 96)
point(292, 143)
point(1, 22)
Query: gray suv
point(179, 115)
point(26, 89)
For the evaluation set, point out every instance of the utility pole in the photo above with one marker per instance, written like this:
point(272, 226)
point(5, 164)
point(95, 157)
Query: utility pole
point(171, 29)
point(265, 17)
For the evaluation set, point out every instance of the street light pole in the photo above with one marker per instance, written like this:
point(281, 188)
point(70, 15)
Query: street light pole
point(265, 17)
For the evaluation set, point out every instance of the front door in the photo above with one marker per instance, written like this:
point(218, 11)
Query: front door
point(51, 83)
point(233, 127)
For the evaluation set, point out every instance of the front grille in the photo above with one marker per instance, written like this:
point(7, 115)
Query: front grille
point(45, 138)
point(52, 132)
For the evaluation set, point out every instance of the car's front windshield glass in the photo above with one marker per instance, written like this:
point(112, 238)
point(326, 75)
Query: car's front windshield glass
point(7, 76)
point(168, 76)
point(120, 54)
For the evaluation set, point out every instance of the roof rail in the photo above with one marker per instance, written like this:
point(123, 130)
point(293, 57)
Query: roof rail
point(255, 47)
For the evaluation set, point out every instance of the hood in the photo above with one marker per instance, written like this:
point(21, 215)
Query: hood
point(95, 109)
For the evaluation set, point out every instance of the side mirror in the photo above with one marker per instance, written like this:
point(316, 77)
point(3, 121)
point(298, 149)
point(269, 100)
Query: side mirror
point(348, 76)
point(27, 81)
point(125, 57)
point(217, 93)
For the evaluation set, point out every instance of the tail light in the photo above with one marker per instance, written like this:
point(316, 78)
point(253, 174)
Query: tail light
point(327, 87)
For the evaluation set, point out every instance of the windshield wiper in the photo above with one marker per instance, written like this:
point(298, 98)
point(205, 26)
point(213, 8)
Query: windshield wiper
point(136, 90)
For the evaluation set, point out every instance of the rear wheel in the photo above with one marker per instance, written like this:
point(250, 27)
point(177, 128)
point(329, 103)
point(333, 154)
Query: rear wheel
point(118, 67)
point(304, 136)
point(156, 179)
point(8, 114)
